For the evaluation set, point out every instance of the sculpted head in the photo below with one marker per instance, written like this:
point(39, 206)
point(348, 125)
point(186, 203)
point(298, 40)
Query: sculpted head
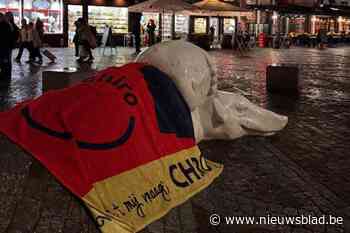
point(189, 66)
point(215, 114)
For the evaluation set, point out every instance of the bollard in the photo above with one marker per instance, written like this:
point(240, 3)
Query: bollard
point(282, 78)
point(58, 79)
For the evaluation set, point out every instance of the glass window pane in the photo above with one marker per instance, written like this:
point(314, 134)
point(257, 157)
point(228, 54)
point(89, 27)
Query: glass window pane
point(200, 25)
point(229, 25)
point(166, 24)
point(74, 12)
point(115, 17)
point(181, 23)
point(146, 18)
point(49, 11)
point(214, 22)
point(11, 6)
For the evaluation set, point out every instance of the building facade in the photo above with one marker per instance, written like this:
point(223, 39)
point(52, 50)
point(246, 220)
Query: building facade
point(58, 16)
point(301, 16)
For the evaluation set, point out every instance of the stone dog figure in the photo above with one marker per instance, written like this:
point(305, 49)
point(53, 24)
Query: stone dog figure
point(215, 114)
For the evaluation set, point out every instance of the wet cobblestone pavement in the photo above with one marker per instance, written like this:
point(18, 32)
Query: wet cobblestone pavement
point(303, 170)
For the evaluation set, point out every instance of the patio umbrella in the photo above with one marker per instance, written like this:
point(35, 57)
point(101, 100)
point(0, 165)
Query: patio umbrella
point(163, 6)
point(216, 7)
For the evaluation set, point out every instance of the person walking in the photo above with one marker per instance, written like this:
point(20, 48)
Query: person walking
point(246, 39)
point(87, 41)
point(36, 47)
point(8, 40)
point(38, 37)
point(39, 26)
point(30, 28)
point(5, 51)
point(36, 44)
point(151, 28)
point(212, 34)
point(24, 40)
point(14, 29)
point(76, 38)
point(136, 31)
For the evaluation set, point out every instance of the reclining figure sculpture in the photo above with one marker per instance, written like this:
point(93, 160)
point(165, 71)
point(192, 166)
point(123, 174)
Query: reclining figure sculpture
point(215, 114)
point(125, 140)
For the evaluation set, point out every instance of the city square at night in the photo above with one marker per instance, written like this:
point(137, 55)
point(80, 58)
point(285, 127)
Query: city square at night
point(171, 116)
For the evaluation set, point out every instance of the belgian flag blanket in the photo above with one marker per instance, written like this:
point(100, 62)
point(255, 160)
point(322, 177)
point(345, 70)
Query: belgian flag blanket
point(122, 141)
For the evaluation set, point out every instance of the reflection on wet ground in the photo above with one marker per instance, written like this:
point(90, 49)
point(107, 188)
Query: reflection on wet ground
point(26, 81)
point(303, 170)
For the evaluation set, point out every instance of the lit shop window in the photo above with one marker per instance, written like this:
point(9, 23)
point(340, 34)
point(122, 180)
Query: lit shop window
point(49, 11)
point(166, 25)
point(74, 12)
point(13, 6)
point(200, 25)
point(297, 24)
point(146, 17)
point(214, 23)
point(115, 17)
point(229, 25)
point(181, 23)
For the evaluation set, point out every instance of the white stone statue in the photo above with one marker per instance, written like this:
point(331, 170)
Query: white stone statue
point(215, 114)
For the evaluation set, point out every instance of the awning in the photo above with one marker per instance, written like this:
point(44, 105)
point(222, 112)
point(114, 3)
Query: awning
point(216, 7)
point(163, 6)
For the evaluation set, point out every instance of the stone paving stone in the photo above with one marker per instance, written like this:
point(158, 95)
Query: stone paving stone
point(304, 169)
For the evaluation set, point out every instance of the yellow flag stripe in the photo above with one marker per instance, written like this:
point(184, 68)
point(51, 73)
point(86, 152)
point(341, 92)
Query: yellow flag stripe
point(133, 199)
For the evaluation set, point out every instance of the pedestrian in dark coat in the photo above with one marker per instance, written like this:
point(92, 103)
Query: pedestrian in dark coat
point(14, 29)
point(8, 32)
point(87, 41)
point(136, 31)
point(24, 41)
point(151, 28)
point(76, 38)
point(38, 38)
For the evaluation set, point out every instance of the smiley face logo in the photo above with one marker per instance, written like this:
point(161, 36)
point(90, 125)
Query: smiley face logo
point(128, 97)
point(94, 127)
